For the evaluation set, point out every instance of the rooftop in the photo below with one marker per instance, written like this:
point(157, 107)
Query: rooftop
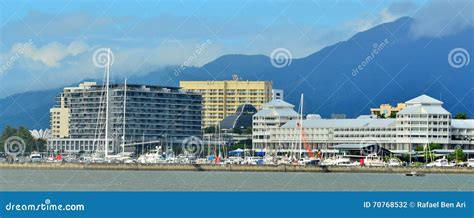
point(462, 124)
point(424, 99)
point(278, 103)
point(423, 109)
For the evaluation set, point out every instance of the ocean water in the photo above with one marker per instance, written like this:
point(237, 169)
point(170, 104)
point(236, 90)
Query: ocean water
point(96, 180)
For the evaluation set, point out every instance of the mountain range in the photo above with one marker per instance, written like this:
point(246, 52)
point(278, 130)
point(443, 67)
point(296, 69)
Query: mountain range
point(385, 64)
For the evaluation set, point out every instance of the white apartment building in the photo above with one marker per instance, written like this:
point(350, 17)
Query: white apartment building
point(272, 116)
point(422, 122)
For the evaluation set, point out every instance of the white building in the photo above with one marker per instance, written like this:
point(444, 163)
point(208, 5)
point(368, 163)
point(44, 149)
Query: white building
point(273, 115)
point(277, 94)
point(422, 122)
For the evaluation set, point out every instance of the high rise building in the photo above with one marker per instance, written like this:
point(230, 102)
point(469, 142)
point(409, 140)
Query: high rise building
point(152, 113)
point(222, 98)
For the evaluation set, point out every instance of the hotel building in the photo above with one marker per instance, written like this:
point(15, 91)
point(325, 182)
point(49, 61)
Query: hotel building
point(387, 110)
point(152, 113)
point(422, 122)
point(273, 115)
point(222, 98)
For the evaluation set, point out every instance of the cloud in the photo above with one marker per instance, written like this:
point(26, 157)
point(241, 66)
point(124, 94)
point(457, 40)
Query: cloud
point(370, 21)
point(443, 18)
point(52, 53)
point(389, 14)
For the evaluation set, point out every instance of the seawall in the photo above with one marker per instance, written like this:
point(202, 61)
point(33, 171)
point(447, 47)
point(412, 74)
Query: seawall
point(233, 168)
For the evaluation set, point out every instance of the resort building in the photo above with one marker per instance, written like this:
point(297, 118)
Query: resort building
point(273, 115)
point(221, 98)
point(422, 122)
point(149, 113)
point(277, 94)
point(387, 110)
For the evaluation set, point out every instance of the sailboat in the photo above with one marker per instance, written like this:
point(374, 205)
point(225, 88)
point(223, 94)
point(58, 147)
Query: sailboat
point(122, 157)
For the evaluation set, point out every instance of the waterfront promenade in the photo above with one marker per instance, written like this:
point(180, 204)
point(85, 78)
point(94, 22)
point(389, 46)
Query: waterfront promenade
point(235, 168)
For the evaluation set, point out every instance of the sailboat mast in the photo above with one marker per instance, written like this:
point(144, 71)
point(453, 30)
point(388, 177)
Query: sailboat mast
point(124, 114)
point(107, 72)
point(301, 126)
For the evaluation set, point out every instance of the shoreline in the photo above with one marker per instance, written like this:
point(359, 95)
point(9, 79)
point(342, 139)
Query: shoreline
point(232, 168)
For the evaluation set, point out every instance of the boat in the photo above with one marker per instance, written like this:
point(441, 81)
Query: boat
point(470, 162)
point(373, 160)
point(233, 160)
point(394, 162)
point(414, 173)
point(151, 157)
point(443, 162)
point(346, 162)
point(251, 160)
point(338, 161)
point(282, 160)
point(308, 161)
point(35, 157)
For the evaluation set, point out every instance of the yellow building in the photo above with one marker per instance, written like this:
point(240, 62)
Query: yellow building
point(59, 114)
point(387, 110)
point(59, 117)
point(221, 98)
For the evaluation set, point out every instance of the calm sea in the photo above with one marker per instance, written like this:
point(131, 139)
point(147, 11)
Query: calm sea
point(94, 180)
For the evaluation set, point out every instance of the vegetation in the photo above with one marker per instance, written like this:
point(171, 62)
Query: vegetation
point(31, 144)
point(210, 129)
point(432, 146)
point(243, 144)
point(428, 153)
point(458, 155)
point(461, 116)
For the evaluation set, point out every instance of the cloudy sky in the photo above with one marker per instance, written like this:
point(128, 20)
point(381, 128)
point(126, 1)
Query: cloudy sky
point(51, 44)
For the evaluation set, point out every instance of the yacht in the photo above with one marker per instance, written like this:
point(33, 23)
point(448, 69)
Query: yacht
point(347, 162)
point(251, 160)
point(394, 162)
point(234, 160)
point(152, 157)
point(35, 157)
point(373, 160)
point(470, 162)
point(338, 161)
point(443, 162)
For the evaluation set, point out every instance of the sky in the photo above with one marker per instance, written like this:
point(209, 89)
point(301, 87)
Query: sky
point(50, 44)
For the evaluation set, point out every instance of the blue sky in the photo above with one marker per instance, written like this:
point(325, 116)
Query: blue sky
point(146, 35)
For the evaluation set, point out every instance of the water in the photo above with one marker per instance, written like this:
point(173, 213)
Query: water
point(95, 180)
